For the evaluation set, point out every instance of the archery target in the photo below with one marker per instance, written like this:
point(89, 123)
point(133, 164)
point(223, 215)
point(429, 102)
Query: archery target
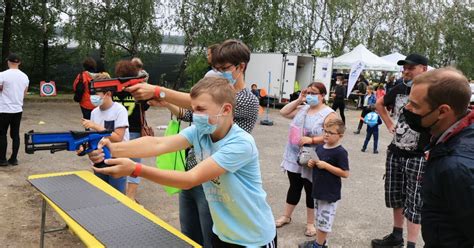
point(47, 88)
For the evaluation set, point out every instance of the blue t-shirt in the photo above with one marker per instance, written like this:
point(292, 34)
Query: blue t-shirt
point(327, 186)
point(236, 199)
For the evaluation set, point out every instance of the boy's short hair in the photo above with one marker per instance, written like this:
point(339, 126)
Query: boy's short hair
point(218, 88)
point(337, 122)
point(446, 86)
point(233, 52)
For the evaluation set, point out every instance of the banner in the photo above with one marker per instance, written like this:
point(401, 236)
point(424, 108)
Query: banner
point(47, 88)
point(356, 69)
point(323, 72)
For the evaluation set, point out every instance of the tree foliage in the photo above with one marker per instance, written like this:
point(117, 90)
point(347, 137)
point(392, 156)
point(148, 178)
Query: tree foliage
point(49, 33)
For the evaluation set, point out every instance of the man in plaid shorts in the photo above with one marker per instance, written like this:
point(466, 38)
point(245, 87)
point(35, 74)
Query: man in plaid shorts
point(405, 162)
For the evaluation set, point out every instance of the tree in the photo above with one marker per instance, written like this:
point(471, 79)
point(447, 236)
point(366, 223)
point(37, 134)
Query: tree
point(7, 31)
point(116, 28)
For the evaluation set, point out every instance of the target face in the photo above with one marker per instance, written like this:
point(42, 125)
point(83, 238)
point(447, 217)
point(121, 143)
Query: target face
point(47, 88)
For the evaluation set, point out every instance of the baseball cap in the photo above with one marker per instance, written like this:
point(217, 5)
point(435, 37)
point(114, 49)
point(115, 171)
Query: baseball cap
point(414, 59)
point(13, 58)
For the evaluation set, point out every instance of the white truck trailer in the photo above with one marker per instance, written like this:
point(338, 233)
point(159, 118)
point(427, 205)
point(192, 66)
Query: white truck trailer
point(285, 69)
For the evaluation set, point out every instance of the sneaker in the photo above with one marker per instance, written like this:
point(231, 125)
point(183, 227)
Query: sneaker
point(13, 162)
point(357, 132)
point(311, 244)
point(376, 152)
point(362, 150)
point(389, 241)
point(3, 163)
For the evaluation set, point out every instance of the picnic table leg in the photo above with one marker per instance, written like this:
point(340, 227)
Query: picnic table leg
point(43, 220)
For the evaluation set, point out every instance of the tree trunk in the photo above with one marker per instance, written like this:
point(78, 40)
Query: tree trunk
point(7, 32)
point(44, 66)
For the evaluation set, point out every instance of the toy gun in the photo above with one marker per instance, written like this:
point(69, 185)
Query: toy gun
point(70, 141)
point(114, 84)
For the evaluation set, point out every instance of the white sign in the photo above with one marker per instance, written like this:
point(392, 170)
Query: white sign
point(356, 69)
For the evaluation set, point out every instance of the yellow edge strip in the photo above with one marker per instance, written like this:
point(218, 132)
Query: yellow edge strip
point(84, 235)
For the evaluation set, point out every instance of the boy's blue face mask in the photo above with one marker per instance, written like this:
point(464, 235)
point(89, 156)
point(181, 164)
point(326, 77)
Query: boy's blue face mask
point(312, 100)
point(201, 121)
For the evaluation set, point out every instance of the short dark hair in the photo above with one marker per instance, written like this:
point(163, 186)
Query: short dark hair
point(233, 52)
point(125, 68)
point(213, 47)
point(446, 86)
point(89, 64)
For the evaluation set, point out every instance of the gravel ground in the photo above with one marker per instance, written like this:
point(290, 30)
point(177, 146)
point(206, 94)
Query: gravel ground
point(361, 214)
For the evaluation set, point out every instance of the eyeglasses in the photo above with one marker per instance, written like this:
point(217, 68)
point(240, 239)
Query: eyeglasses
point(222, 69)
point(326, 132)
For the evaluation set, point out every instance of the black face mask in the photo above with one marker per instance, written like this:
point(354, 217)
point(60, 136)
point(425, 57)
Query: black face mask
point(414, 120)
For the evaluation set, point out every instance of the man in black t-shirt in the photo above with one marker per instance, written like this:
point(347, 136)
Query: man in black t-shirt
point(338, 97)
point(405, 159)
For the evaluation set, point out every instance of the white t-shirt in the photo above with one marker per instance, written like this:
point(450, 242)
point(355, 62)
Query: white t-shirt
point(112, 118)
point(14, 84)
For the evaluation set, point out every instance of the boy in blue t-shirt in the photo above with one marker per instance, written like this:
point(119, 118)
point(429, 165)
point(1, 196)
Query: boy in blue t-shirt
point(228, 167)
point(332, 164)
point(373, 121)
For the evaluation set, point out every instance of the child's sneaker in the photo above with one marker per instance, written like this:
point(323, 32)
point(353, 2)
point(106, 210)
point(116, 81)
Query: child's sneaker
point(311, 244)
point(389, 241)
point(362, 150)
point(376, 152)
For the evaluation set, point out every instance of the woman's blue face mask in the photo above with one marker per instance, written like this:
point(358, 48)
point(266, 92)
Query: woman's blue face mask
point(312, 100)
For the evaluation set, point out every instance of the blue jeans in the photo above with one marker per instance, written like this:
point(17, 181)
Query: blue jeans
point(135, 180)
point(195, 217)
point(372, 131)
point(118, 183)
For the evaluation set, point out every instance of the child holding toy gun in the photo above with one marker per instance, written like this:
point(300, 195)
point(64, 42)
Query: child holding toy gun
point(228, 167)
point(109, 115)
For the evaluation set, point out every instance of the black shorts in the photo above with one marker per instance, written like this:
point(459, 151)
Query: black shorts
point(403, 181)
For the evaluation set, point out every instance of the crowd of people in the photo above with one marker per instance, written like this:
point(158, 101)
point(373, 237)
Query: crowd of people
point(429, 177)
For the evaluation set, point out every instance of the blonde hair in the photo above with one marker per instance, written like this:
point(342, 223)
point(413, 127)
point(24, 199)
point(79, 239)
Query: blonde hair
point(335, 122)
point(218, 88)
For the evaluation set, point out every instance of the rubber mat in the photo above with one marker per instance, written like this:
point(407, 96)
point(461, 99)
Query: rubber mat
point(110, 221)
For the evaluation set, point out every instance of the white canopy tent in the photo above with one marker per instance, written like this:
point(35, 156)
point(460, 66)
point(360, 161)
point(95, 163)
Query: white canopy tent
point(395, 57)
point(361, 53)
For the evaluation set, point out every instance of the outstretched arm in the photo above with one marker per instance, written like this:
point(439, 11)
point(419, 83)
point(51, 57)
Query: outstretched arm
point(140, 148)
point(203, 172)
point(147, 91)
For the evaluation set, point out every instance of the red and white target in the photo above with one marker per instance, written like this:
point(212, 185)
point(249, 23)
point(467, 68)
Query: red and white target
point(47, 88)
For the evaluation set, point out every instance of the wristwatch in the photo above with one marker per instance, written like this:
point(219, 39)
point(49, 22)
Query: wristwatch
point(159, 93)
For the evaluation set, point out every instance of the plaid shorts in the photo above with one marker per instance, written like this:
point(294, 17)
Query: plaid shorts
point(403, 181)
